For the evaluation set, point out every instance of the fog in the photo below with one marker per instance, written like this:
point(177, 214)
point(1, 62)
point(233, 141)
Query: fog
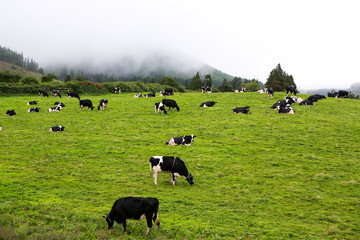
point(315, 41)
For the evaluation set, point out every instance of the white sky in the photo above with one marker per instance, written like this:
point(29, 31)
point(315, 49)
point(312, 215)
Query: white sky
point(316, 41)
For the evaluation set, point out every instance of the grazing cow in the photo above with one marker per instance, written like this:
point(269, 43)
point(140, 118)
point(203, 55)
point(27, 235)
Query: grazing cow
point(207, 104)
point(150, 95)
point(291, 89)
point(206, 90)
point(138, 95)
point(86, 103)
point(55, 109)
point(270, 92)
point(73, 95)
point(159, 107)
point(10, 112)
point(103, 103)
point(184, 140)
point(285, 109)
point(116, 90)
point(56, 93)
point(57, 129)
point(170, 104)
point(306, 102)
point(169, 164)
point(244, 110)
point(332, 94)
point(343, 93)
point(59, 103)
point(33, 109)
point(134, 208)
point(316, 97)
point(32, 102)
point(43, 93)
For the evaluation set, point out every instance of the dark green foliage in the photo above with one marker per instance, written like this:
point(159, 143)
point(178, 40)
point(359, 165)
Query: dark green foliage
point(8, 77)
point(10, 56)
point(225, 87)
point(252, 86)
point(207, 80)
point(29, 80)
point(279, 79)
point(173, 83)
point(48, 78)
point(195, 83)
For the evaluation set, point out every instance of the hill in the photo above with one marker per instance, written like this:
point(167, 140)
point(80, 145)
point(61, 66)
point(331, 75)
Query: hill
point(16, 70)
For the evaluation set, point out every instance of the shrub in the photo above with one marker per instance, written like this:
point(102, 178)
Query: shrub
point(29, 80)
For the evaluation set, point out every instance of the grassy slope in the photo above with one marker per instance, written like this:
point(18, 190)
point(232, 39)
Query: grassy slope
point(261, 175)
point(4, 66)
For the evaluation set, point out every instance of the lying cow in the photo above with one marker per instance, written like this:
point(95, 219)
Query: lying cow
point(56, 93)
point(55, 109)
point(332, 94)
point(285, 109)
point(244, 110)
point(306, 102)
point(32, 102)
point(33, 110)
point(184, 140)
point(171, 104)
point(316, 97)
point(103, 104)
point(169, 164)
point(73, 95)
point(10, 112)
point(343, 94)
point(43, 93)
point(57, 129)
point(150, 95)
point(59, 103)
point(138, 95)
point(167, 92)
point(86, 103)
point(207, 104)
point(116, 90)
point(159, 107)
point(134, 208)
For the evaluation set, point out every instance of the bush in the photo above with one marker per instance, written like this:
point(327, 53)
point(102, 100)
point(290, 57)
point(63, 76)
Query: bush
point(29, 80)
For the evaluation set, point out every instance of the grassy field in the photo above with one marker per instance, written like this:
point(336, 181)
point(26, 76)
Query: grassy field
point(258, 176)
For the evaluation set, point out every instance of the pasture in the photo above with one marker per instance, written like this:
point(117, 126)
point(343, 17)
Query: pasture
point(262, 175)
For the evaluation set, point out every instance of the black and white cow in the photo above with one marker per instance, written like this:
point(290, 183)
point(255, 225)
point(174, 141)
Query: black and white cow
point(33, 109)
point(184, 140)
point(244, 110)
point(43, 93)
point(285, 109)
point(10, 112)
point(134, 208)
point(73, 95)
point(55, 109)
point(170, 104)
point(32, 102)
point(56, 93)
point(207, 104)
point(343, 94)
point(206, 90)
point(138, 95)
point(59, 103)
point(167, 92)
point(295, 99)
point(150, 95)
point(59, 128)
point(306, 102)
point(270, 92)
point(103, 104)
point(291, 89)
point(159, 107)
point(169, 164)
point(86, 103)
point(282, 103)
point(316, 97)
point(332, 94)
point(116, 90)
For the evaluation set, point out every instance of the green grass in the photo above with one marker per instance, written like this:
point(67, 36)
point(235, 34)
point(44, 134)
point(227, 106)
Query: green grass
point(258, 176)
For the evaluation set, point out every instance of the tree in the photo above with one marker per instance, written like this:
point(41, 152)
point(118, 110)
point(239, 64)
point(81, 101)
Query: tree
point(195, 83)
point(79, 77)
point(48, 78)
point(208, 80)
point(225, 87)
point(29, 80)
point(279, 79)
point(68, 78)
point(252, 86)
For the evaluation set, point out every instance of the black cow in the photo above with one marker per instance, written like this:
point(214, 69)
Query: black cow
point(207, 104)
point(57, 129)
point(285, 109)
point(169, 164)
point(244, 110)
point(33, 109)
point(103, 103)
point(184, 140)
point(32, 102)
point(167, 92)
point(291, 89)
point(138, 95)
point(86, 103)
point(332, 94)
point(150, 95)
point(134, 208)
point(316, 97)
point(343, 93)
point(270, 92)
point(56, 93)
point(170, 104)
point(10, 112)
point(43, 93)
point(116, 90)
point(306, 102)
point(73, 95)
point(159, 107)
point(59, 103)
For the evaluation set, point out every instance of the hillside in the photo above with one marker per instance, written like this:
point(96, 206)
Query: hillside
point(16, 70)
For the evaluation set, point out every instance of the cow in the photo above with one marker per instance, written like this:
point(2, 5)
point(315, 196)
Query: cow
point(316, 97)
point(116, 90)
point(244, 110)
point(73, 95)
point(57, 129)
point(43, 93)
point(207, 104)
point(343, 93)
point(103, 103)
point(59, 103)
point(56, 93)
point(282, 103)
point(169, 164)
point(138, 95)
point(150, 95)
point(159, 107)
point(171, 104)
point(294, 99)
point(10, 112)
point(306, 102)
point(184, 140)
point(291, 89)
point(167, 92)
point(55, 109)
point(206, 89)
point(33, 109)
point(134, 208)
point(86, 103)
point(32, 102)
point(261, 91)
point(285, 109)
point(243, 90)
point(332, 94)
point(270, 92)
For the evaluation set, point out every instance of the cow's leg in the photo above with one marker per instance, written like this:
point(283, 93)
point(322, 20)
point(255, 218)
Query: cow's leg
point(156, 221)
point(173, 179)
point(124, 224)
point(155, 177)
point(149, 223)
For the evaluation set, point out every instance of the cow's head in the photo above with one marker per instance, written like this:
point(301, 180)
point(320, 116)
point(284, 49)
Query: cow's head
point(190, 179)
point(109, 221)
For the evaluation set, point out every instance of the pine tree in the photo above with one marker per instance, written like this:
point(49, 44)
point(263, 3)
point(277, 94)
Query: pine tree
point(279, 79)
point(196, 82)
